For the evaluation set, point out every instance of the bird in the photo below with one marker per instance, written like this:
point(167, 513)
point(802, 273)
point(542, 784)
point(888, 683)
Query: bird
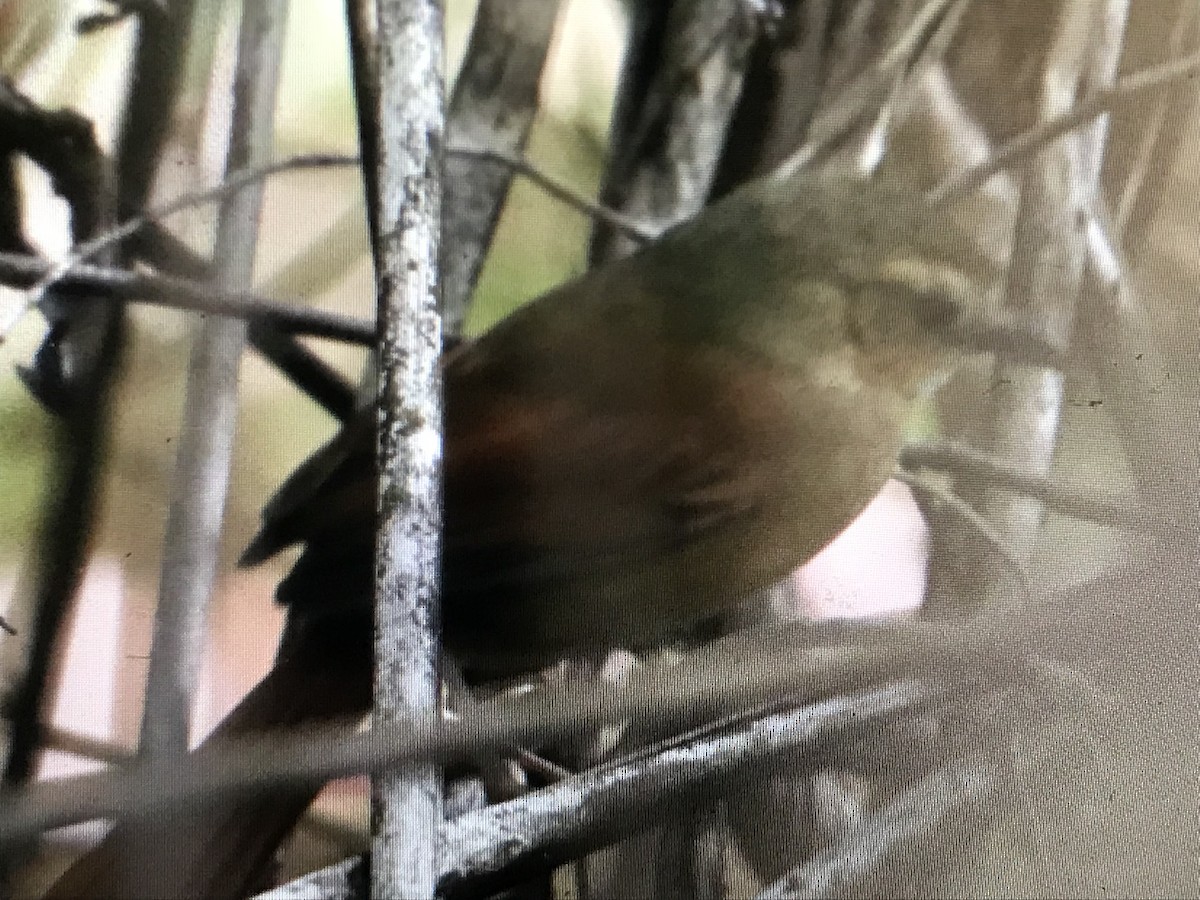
point(627, 456)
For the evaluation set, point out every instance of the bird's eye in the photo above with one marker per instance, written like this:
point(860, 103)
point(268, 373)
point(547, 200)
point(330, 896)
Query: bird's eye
point(936, 293)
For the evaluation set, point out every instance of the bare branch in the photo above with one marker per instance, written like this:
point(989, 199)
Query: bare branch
point(232, 185)
point(1035, 139)
point(968, 464)
point(871, 95)
point(667, 160)
point(86, 747)
point(346, 880)
point(560, 191)
point(739, 672)
point(1119, 346)
point(160, 249)
point(86, 281)
point(596, 808)
point(72, 375)
point(407, 136)
point(932, 497)
point(1157, 132)
point(1023, 410)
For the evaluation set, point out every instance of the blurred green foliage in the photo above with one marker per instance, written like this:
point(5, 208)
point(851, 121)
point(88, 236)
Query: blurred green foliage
point(539, 242)
point(310, 233)
point(24, 440)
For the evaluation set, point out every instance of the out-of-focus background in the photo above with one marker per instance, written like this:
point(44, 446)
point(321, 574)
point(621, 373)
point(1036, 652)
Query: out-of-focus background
point(314, 248)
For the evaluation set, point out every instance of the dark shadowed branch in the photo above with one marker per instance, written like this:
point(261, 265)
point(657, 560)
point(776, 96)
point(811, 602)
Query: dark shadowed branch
point(71, 375)
point(679, 89)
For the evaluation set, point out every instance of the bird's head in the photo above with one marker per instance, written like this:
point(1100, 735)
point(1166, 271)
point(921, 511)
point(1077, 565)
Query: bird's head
point(805, 262)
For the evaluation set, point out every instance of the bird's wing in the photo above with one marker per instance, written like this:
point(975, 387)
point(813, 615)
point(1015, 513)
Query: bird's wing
point(623, 445)
point(580, 438)
point(326, 488)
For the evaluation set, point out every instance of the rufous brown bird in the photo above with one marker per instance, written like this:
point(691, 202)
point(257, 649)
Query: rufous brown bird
point(627, 456)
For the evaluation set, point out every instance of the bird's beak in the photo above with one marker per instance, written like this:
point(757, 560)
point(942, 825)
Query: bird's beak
point(987, 328)
point(964, 310)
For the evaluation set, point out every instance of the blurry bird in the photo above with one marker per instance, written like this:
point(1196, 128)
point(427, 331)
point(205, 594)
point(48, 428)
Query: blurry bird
point(627, 456)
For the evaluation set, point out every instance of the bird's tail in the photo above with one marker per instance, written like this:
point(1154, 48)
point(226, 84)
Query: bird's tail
point(223, 850)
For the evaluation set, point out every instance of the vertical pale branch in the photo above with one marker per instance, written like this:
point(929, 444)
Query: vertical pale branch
point(1024, 405)
point(1115, 336)
point(407, 145)
point(1121, 349)
point(493, 105)
point(72, 498)
point(201, 477)
point(157, 80)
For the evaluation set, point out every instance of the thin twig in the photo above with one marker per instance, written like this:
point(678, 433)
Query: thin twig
point(1185, 23)
point(966, 462)
point(598, 212)
point(929, 23)
point(362, 24)
point(55, 738)
point(923, 43)
point(230, 186)
point(1029, 142)
point(1118, 343)
point(909, 819)
point(869, 94)
point(966, 515)
point(35, 275)
point(84, 281)
point(316, 378)
point(163, 251)
point(29, 272)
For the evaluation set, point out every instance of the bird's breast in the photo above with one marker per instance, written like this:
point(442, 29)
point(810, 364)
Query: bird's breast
point(713, 475)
